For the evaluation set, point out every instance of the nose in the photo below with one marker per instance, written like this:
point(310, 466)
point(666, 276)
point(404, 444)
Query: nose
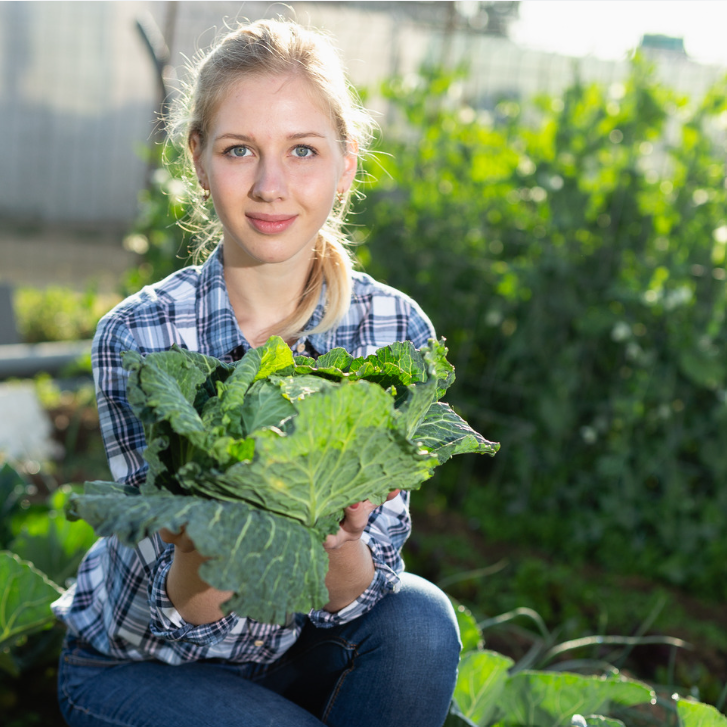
point(269, 184)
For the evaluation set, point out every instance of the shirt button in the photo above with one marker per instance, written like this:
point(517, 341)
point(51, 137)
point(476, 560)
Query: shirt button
point(300, 347)
point(259, 642)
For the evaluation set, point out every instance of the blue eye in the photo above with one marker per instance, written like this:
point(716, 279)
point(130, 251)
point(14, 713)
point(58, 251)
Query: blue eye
point(303, 152)
point(238, 151)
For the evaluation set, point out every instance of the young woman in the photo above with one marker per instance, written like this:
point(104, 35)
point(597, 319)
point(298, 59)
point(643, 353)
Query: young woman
point(273, 138)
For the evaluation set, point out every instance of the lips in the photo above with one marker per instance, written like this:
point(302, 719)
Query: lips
point(270, 224)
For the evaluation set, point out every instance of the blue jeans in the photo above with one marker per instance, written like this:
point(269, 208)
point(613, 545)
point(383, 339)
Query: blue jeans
point(394, 666)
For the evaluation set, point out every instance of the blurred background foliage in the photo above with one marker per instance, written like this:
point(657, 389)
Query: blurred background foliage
point(573, 254)
point(572, 251)
point(59, 314)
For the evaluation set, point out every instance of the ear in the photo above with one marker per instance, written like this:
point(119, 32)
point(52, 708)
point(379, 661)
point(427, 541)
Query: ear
point(350, 165)
point(195, 149)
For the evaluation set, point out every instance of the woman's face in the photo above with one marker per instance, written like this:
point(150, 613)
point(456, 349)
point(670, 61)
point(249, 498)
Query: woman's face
point(273, 163)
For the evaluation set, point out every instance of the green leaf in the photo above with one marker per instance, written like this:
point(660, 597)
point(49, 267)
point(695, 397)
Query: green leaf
point(155, 454)
point(53, 544)
point(469, 633)
point(273, 356)
point(25, 598)
point(175, 363)
point(421, 395)
point(297, 388)
point(629, 692)
point(455, 718)
point(343, 447)
point(101, 487)
point(273, 564)
point(414, 403)
point(444, 433)
point(265, 405)
point(397, 364)
point(595, 720)
point(208, 366)
point(697, 714)
point(481, 680)
point(12, 487)
point(435, 356)
point(337, 359)
point(550, 699)
point(162, 387)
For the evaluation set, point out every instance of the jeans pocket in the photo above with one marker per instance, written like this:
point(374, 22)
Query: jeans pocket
point(79, 653)
point(78, 664)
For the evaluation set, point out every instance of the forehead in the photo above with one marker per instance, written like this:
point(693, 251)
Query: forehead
point(274, 101)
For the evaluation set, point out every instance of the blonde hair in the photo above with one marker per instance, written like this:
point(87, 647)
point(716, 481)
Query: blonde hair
point(279, 47)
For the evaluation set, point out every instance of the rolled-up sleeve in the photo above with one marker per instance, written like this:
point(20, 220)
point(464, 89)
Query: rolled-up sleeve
point(166, 622)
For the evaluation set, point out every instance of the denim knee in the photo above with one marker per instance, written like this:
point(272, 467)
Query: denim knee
point(421, 622)
point(432, 615)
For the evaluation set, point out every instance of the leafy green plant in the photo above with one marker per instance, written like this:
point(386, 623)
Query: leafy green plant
point(272, 449)
point(24, 607)
point(12, 489)
point(39, 549)
point(52, 543)
point(572, 250)
point(487, 694)
point(696, 714)
point(159, 236)
point(494, 691)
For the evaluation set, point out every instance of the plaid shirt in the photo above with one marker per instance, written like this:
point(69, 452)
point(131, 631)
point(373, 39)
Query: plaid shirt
point(119, 602)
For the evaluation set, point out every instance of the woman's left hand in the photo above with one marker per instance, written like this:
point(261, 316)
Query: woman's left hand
point(354, 522)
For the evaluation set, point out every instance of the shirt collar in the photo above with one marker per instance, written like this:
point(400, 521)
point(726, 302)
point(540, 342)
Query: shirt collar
point(321, 342)
point(219, 334)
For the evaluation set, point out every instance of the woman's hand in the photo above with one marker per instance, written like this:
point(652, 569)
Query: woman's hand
point(195, 600)
point(350, 565)
point(355, 519)
point(181, 540)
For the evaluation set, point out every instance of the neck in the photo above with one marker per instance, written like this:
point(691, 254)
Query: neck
point(262, 296)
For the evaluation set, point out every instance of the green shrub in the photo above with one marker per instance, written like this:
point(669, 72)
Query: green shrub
point(59, 314)
point(576, 265)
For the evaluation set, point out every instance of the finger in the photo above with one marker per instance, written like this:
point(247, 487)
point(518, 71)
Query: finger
point(392, 495)
point(169, 536)
point(180, 540)
point(356, 518)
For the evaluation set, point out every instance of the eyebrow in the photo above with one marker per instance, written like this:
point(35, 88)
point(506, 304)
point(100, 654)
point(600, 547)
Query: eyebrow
point(297, 135)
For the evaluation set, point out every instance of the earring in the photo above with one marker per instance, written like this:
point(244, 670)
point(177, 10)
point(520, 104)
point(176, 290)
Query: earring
point(205, 192)
point(340, 196)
